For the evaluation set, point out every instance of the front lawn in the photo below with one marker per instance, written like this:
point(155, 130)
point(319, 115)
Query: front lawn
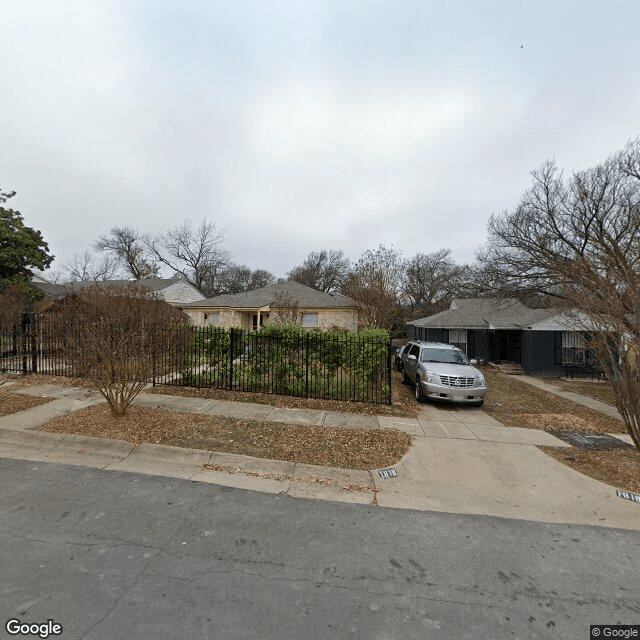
point(518, 404)
point(597, 389)
point(348, 448)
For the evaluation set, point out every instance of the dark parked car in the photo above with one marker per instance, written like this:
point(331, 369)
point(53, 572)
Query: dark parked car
point(397, 354)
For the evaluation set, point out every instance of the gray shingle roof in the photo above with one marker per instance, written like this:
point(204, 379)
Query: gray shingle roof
point(299, 294)
point(484, 313)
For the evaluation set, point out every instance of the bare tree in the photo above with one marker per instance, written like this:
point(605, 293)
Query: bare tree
point(286, 310)
point(195, 252)
point(125, 246)
point(238, 278)
point(112, 336)
point(260, 278)
point(431, 280)
point(13, 301)
point(322, 270)
point(375, 283)
point(86, 266)
point(578, 238)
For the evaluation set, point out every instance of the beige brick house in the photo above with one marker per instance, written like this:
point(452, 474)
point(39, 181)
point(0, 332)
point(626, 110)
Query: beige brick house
point(285, 302)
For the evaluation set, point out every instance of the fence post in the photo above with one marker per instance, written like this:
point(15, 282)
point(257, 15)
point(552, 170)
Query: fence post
point(34, 344)
point(231, 337)
point(389, 369)
point(23, 341)
point(306, 382)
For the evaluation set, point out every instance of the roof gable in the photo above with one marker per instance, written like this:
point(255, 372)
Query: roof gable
point(486, 313)
point(296, 293)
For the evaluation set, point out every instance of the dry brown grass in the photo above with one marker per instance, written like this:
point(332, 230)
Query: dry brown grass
point(518, 404)
point(618, 467)
point(14, 402)
point(597, 389)
point(329, 446)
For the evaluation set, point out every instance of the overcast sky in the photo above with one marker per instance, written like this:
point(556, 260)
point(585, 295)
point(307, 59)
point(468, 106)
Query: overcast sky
point(301, 125)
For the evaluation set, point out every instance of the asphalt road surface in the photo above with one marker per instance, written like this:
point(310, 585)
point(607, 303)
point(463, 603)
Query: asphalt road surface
point(113, 555)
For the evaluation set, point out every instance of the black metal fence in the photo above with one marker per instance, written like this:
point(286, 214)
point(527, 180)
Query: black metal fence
point(34, 346)
point(285, 361)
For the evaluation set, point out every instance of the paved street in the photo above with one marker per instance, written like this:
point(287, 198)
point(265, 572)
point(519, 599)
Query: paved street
point(111, 554)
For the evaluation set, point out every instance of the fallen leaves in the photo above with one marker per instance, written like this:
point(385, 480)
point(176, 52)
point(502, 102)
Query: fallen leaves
point(14, 402)
point(558, 422)
point(349, 448)
point(518, 404)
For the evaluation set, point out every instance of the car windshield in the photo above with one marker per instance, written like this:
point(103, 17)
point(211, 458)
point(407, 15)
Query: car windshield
point(452, 356)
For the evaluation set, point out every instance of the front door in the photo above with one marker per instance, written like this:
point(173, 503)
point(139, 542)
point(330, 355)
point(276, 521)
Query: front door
point(507, 346)
point(255, 324)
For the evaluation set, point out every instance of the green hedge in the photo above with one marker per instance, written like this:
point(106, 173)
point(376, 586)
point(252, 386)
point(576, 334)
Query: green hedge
point(287, 359)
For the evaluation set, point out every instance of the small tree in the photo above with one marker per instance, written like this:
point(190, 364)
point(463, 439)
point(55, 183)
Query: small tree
point(286, 310)
point(375, 283)
point(113, 336)
point(13, 301)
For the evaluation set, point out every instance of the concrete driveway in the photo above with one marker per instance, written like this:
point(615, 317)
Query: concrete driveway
point(464, 461)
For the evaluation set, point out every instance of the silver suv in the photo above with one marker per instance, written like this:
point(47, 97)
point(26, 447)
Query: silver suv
point(442, 372)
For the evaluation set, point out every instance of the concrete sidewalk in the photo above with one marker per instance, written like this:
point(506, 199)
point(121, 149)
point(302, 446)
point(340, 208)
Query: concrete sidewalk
point(462, 461)
point(578, 398)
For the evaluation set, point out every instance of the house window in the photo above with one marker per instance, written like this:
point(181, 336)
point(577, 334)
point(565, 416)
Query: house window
point(310, 320)
point(573, 348)
point(212, 319)
point(458, 338)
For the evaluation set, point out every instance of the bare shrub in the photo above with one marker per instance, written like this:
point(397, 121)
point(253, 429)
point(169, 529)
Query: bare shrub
point(113, 335)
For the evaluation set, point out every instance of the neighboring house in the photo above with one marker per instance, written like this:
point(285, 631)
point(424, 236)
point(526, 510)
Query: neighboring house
point(175, 291)
point(541, 341)
point(286, 302)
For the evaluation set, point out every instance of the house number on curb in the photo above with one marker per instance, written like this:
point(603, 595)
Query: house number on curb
point(627, 495)
point(388, 473)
